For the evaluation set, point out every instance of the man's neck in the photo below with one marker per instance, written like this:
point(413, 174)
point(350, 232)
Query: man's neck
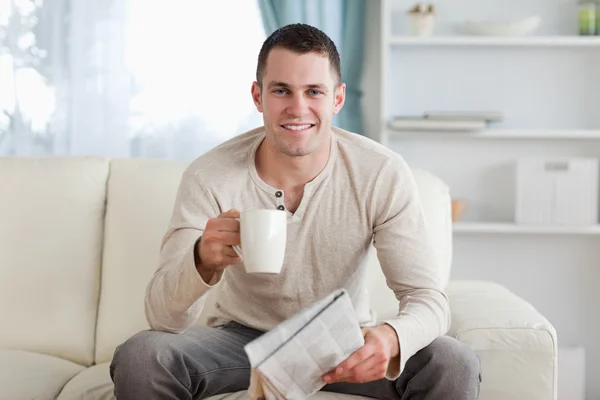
point(287, 172)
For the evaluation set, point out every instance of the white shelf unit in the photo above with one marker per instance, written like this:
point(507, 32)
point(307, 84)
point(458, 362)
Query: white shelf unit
point(508, 134)
point(548, 86)
point(529, 41)
point(511, 228)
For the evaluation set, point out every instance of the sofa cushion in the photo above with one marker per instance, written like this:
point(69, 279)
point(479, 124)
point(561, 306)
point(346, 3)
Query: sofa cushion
point(26, 375)
point(52, 213)
point(511, 338)
point(140, 198)
point(94, 383)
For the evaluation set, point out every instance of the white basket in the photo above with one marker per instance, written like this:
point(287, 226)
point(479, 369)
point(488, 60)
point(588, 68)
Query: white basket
point(558, 191)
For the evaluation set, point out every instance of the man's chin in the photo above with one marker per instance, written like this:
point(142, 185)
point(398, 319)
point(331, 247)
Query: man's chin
point(295, 152)
point(293, 147)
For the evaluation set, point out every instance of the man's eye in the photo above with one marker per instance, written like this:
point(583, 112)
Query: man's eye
point(315, 92)
point(279, 91)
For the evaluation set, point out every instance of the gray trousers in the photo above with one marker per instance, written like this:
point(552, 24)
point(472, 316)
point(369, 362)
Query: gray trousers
point(206, 361)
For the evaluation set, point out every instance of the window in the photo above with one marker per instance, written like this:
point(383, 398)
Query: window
point(167, 79)
point(27, 102)
point(193, 63)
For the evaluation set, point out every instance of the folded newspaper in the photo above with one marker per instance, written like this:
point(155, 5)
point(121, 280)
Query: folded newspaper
point(288, 361)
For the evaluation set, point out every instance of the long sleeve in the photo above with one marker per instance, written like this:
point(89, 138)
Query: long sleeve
point(174, 294)
point(407, 258)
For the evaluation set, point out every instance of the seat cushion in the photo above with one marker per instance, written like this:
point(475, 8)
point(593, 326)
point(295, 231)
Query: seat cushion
point(52, 217)
point(243, 395)
point(95, 384)
point(140, 199)
point(26, 375)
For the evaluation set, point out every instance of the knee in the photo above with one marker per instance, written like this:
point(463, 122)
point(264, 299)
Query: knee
point(455, 364)
point(144, 351)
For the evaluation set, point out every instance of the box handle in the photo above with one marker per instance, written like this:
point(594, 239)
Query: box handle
point(557, 166)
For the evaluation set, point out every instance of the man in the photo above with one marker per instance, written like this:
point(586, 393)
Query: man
point(341, 192)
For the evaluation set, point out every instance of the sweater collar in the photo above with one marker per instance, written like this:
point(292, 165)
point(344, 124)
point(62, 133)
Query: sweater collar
point(325, 172)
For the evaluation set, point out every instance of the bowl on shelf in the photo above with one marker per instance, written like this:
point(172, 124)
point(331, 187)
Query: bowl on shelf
point(458, 208)
point(520, 27)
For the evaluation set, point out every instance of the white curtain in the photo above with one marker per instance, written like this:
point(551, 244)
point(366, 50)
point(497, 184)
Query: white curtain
point(126, 78)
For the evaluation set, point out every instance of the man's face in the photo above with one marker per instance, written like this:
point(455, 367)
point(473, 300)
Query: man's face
point(298, 99)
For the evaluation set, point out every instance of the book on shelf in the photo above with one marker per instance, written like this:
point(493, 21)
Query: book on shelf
point(447, 120)
point(425, 124)
point(489, 116)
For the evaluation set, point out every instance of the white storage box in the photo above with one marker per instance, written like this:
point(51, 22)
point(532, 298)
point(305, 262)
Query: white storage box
point(557, 191)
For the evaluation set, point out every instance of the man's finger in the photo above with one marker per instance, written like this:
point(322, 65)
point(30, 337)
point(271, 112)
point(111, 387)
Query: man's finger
point(229, 238)
point(226, 262)
point(354, 375)
point(233, 260)
point(363, 371)
point(228, 225)
point(357, 357)
point(233, 213)
point(229, 251)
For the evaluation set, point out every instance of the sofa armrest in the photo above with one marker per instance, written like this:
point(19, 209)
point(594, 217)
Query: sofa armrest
point(517, 346)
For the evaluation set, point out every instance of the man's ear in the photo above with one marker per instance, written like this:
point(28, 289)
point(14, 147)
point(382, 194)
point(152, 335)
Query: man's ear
point(256, 96)
point(339, 98)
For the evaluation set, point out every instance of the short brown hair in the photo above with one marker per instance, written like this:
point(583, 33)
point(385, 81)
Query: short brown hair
point(299, 38)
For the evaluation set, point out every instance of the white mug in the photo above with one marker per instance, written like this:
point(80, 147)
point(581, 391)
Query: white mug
point(263, 240)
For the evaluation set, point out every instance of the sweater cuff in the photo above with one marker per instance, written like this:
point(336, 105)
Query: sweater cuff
point(191, 273)
point(396, 364)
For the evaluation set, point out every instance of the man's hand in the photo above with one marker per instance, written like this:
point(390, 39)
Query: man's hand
point(370, 362)
point(214, 251)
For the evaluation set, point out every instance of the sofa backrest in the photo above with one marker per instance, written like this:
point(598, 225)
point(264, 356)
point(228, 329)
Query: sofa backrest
point(140, 197)
point(51, 222)
point(437, 206)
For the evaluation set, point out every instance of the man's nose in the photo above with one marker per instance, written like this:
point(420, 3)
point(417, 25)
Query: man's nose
point(298, 106)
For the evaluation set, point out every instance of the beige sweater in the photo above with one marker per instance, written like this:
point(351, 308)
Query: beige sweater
point(365, 194)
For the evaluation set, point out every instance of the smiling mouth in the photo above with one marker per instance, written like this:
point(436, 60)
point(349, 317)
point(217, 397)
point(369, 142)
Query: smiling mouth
point(297, 128)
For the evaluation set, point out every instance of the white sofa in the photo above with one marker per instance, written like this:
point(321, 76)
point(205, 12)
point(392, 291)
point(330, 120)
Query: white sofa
point(79, 239)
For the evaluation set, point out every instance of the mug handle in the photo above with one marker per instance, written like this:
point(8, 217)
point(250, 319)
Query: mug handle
point(238, 248)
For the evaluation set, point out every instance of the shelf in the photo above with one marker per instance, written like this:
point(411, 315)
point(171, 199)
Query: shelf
point(539, 41)
point(501, 134)
point(507, 227)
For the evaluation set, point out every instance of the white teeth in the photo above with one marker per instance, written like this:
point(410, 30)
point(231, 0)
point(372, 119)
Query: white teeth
point(296, 127)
